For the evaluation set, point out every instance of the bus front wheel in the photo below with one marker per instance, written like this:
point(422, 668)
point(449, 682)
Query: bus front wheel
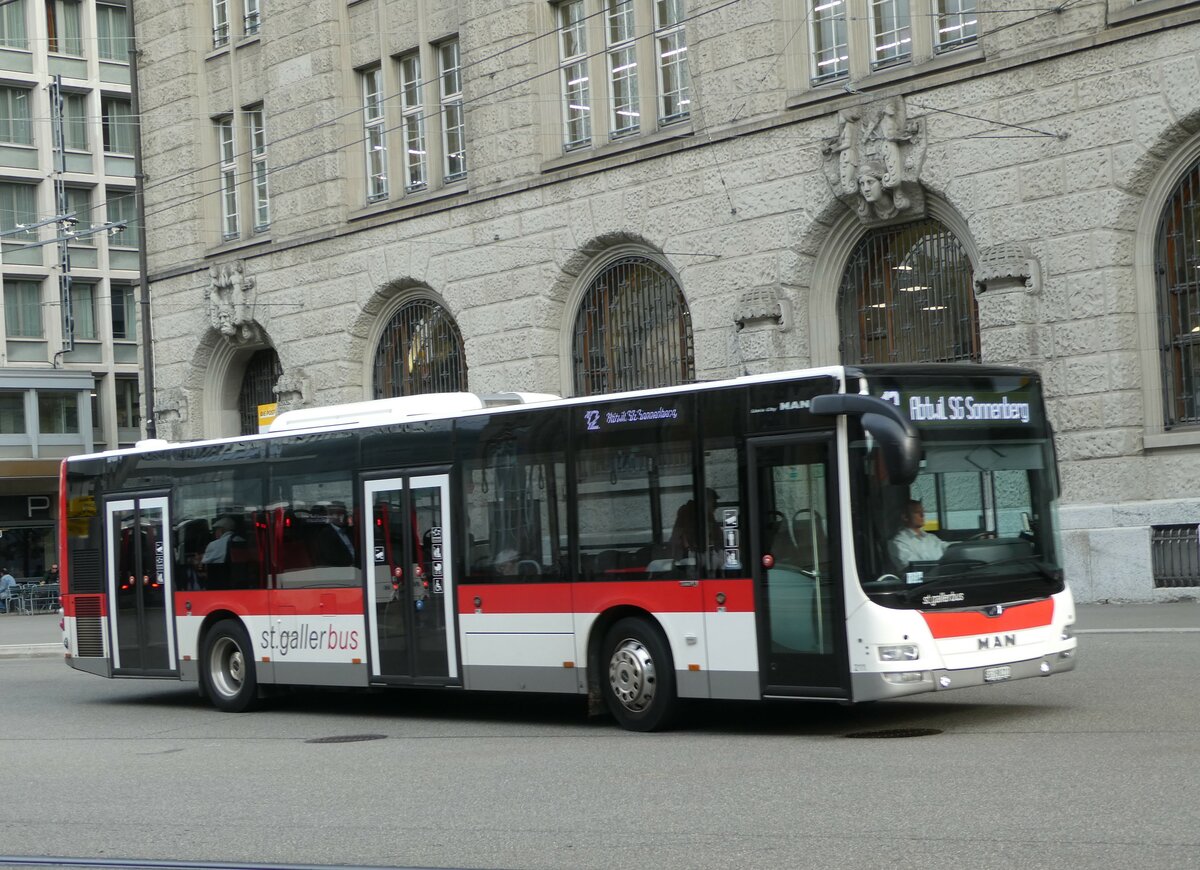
point(227, 668)
point(639, 677)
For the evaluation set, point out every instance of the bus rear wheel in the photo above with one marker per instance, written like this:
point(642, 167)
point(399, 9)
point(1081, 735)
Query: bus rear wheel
point(638, 681)
point(227, 668)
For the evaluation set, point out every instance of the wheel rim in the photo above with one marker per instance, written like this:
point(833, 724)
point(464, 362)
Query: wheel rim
point(631, 675)
point(228, 667)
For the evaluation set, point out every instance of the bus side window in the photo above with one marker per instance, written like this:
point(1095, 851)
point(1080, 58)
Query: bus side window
point(514, 498)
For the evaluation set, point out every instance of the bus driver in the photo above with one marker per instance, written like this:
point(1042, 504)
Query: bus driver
point(912, 543)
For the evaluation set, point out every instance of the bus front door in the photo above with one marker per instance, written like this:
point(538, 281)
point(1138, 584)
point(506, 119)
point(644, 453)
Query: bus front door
point(140, 587)
point(410, 586)
point(797, 572)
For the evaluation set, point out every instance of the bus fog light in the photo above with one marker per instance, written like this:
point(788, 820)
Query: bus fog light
point(899, 652)
point(1044, 667)
point(944, 682)
point(899, 677)
point(1066, 654)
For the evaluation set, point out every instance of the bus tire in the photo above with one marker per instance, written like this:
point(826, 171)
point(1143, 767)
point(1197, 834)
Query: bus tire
point(227, 668)
point(637, 676)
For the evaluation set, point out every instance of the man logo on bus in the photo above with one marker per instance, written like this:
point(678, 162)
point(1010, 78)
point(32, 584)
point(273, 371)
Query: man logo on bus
point(892, 396)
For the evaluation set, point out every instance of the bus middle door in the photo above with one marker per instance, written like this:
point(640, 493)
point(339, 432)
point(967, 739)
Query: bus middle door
point(410, 585)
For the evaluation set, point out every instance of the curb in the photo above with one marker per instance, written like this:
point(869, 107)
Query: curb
point(31, 650)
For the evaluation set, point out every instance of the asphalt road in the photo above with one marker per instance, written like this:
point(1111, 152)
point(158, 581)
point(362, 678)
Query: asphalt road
point(1097, 768)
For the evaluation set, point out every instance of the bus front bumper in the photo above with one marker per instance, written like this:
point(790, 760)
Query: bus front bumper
point(880, 686)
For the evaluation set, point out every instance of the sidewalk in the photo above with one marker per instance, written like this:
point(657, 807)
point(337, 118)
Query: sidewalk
point(38, 635)
point(24, 636)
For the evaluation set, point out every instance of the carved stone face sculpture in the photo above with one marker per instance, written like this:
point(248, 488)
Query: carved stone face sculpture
point(870, 183)
point(870, 187)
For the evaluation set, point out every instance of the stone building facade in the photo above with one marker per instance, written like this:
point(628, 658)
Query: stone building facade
point(315, 168)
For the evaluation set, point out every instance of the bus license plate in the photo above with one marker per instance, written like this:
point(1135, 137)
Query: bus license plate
point(994, 675)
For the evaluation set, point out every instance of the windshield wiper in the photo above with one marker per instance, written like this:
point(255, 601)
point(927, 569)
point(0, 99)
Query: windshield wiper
point(1045, 573)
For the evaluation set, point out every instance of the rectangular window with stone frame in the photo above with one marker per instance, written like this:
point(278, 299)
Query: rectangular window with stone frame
point(227, 173)
point(454, 132)
point(122, 206)
point(259, 185)
point(64, 28)
point(18, 212)
point(620, 62)
point(374, 133)
point(23, 308)
point(251, 17)
point(12, 25)
point(842, 42)
point(112, 30)
point(116, 115)
point(220, 23)
point(412, 123)
point(573, 71)
point(75, 121)
point(15, 125)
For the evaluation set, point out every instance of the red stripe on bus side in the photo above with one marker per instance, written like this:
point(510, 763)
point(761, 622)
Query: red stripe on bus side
point(656, 596)
point(1032, 615)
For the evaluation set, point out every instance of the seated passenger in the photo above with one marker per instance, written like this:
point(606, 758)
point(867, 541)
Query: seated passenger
point(912, 543)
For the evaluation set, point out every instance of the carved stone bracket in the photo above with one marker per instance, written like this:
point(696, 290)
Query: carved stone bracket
point(873, 164)
point(292, 389)
point(171, 413)
point(230, 309)
point(762, 306)
point(1008, 266)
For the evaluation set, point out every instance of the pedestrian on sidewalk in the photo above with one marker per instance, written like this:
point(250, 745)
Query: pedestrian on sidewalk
point(8, 587)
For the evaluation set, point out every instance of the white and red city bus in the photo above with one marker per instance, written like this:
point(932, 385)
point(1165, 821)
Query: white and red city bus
point(733, 539)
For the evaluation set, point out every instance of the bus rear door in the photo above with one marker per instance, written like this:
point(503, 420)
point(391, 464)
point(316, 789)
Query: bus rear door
point(797, 572)
point(140, 588)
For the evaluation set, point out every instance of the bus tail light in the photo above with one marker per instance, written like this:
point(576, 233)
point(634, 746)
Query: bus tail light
point(899, 652)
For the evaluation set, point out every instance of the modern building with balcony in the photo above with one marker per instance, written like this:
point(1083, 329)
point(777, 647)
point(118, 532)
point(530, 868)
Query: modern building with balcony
point(372, 198)
point(67, 383)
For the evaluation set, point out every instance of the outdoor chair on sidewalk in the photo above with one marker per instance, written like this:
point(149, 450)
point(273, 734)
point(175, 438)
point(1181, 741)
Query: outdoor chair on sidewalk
point(17, 603)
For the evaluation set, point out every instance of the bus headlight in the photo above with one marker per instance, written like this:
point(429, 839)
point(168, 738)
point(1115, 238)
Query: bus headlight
point(899, 652)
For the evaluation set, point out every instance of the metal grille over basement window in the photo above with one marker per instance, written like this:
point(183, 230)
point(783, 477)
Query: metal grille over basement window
point(633, 331)
point(1175, 551)
point(258, 388)
point(421, 351)
point(907, 296)
point(1178, 272)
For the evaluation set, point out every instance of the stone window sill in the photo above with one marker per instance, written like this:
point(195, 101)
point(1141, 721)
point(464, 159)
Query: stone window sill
point(1189, 437)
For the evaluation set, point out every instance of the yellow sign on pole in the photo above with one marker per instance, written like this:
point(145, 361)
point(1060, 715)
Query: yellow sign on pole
point(266, 415)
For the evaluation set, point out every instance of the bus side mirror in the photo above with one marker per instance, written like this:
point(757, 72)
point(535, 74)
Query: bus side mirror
point(896, 435)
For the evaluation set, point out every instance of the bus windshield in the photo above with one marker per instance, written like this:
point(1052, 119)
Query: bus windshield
point(975, 528)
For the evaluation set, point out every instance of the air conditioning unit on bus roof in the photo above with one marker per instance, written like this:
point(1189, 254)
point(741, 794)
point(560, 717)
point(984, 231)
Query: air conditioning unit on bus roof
point(383, 411)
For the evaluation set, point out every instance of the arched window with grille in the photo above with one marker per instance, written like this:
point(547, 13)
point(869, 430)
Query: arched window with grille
point(632, 331)
point(420, 351)
point(258, 388)
point(907, 295)
point(1177, 273)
